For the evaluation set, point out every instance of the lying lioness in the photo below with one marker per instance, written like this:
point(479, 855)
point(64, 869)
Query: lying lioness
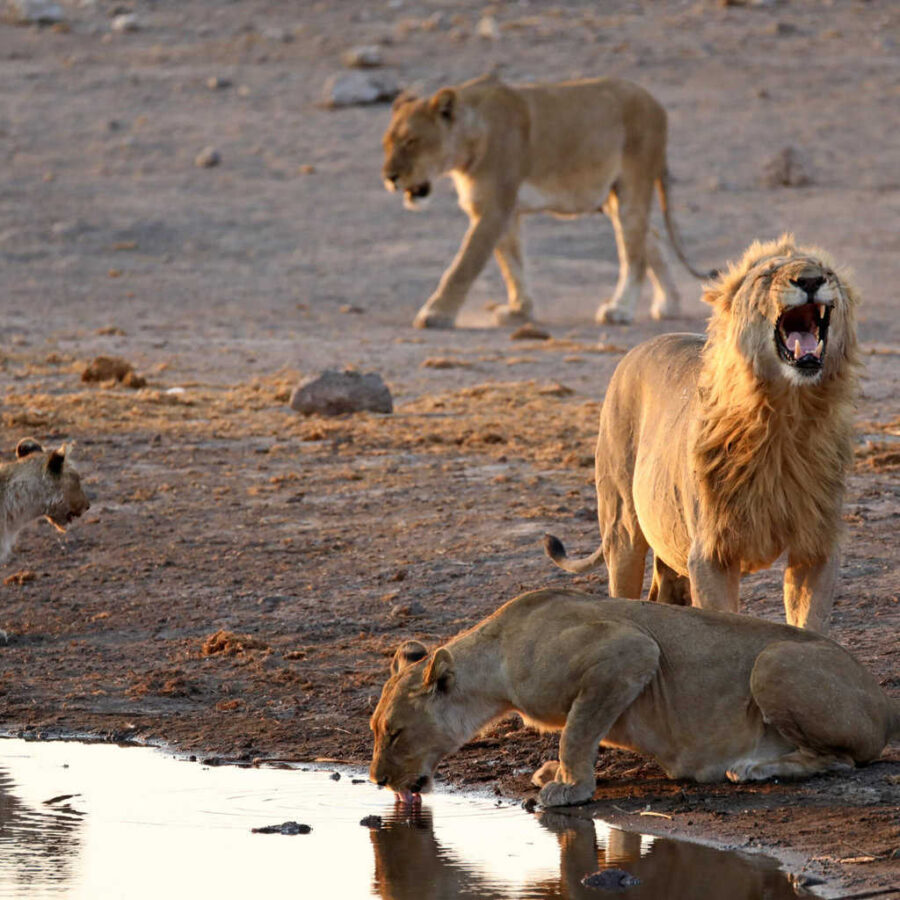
point(569, 148)
point(708, 694)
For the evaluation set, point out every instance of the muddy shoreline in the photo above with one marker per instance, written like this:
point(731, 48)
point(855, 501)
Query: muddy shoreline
point(244, 575)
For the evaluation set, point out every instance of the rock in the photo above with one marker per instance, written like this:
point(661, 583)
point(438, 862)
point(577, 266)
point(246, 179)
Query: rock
point(333, 393)
point(275, 33)
point(207, 158)
point(34, 12)
point(335, 776)
point(368, 57)
point(488, 28)
point(218, 83)
point(125, 22)
point(375, 822)
point(358, 89)
point(283, 828)
point(611, 880)
point(785, 169)
point(107, 368)
point(529, 332)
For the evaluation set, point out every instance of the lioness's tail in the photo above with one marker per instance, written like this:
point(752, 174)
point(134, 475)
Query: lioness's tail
point(662, 187)
point(557, 552)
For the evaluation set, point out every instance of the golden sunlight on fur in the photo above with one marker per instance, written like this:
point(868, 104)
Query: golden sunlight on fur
point(709, 695)
point(721, 452)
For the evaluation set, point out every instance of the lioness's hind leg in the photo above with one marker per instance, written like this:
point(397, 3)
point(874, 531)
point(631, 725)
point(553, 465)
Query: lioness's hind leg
point(823, 702)
point(666, 299)
point(799, 764)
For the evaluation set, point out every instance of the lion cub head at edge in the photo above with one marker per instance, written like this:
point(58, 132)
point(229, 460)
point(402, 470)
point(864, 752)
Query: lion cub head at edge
point(412, 723)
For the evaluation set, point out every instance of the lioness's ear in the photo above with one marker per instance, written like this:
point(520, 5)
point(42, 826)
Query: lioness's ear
point(407, 653)
point(439, 676)
point(27, 446)
point(444, 103)
point(56, 460)
point(402, 98)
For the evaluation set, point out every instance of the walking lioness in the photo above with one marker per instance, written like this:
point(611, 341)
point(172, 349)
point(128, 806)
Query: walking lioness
point(568, 148)
point(708, 694)
point(722, 451)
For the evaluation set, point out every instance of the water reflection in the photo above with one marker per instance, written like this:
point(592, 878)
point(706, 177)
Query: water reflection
point(146, 825)
point(410, 863)
point(36, 845)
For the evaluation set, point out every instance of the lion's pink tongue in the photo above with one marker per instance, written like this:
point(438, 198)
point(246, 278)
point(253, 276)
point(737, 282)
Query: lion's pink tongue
point(801, 342)
point(405, 797)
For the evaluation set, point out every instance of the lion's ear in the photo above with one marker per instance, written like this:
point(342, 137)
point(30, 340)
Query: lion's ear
point(440, 675)
point(408, 652)
point(402, 98)
point(444, 103)
point(56, 460)
point(718, 297)
point(27, 446)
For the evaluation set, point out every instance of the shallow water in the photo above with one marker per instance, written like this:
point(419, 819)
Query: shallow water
point(144, 824)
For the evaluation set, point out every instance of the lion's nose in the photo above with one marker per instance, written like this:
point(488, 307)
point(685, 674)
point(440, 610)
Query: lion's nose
point(809, 285)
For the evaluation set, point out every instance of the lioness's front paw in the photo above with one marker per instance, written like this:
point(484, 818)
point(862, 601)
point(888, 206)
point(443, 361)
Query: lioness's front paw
point(506, 315)
point(427, 318)
point(558, 793)
point(744, 771)
point(613, 315)
point(546, 773)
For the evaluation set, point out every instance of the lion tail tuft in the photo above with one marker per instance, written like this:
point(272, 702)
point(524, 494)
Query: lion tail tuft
point(557, 552)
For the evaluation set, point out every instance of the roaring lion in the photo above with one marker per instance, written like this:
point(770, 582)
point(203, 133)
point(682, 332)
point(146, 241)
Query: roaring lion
point(722, 451)
point(710, 695)
point(569, 148)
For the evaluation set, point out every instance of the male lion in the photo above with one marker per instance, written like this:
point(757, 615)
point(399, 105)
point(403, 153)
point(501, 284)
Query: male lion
point(721, 452)
point(568, 148)
point(39, 483)
point(708, 694)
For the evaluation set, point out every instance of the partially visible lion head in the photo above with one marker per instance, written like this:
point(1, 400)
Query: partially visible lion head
point(787, 310)
point(413, 722)
point(417, 144)
point(60, 484)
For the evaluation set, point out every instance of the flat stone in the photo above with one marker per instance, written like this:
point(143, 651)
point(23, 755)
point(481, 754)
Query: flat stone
point(359, 88)
point(283, 828)
point(333, 393)
point(611, 880)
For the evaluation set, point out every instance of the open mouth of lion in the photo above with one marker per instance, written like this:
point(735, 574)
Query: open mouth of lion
point(418, 192)
point(413, 793)
point(801, 336)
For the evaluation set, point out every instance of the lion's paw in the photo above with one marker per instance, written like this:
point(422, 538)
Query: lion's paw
point(546, 773)
point(427, 318)
point(613, 315)
point(506, 315)
point(558, 793)
point(744, 771)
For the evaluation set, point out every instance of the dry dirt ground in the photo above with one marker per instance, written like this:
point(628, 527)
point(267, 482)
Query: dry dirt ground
point(317, 545)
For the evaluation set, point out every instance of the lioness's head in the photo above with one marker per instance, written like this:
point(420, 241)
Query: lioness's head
point(414, 722)
point(59, 483)
point(418, 143)
point(787, 311)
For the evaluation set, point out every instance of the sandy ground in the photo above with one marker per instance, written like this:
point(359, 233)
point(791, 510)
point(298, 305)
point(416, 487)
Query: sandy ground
point(326, 542)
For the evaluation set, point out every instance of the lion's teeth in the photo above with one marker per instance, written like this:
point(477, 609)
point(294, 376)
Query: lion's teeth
point(797, 351)
point(821, 310)
point(819, 348)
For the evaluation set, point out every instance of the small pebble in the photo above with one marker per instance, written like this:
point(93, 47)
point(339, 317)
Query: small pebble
point(283, 828)
point(335, 776)
point(125, 22)
point(207, 158)
point(375, 822)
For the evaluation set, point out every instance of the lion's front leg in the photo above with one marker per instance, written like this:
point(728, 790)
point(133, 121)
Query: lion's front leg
point(713, 586)
point(519, 307)
point(442, 306)
point(809, 592)
point(625, 662)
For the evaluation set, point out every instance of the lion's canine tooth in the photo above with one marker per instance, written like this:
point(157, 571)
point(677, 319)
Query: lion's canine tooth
point(819, 348)
point(797, 351)
point(821, 310)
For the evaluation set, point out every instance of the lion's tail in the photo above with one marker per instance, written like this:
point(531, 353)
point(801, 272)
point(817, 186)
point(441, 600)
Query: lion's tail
point(557, 552)
point(662, 187)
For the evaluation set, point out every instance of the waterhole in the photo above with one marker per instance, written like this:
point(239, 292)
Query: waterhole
point(102, 822)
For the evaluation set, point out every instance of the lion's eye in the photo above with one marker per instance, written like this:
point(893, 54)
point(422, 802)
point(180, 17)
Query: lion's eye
point(392, 736)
